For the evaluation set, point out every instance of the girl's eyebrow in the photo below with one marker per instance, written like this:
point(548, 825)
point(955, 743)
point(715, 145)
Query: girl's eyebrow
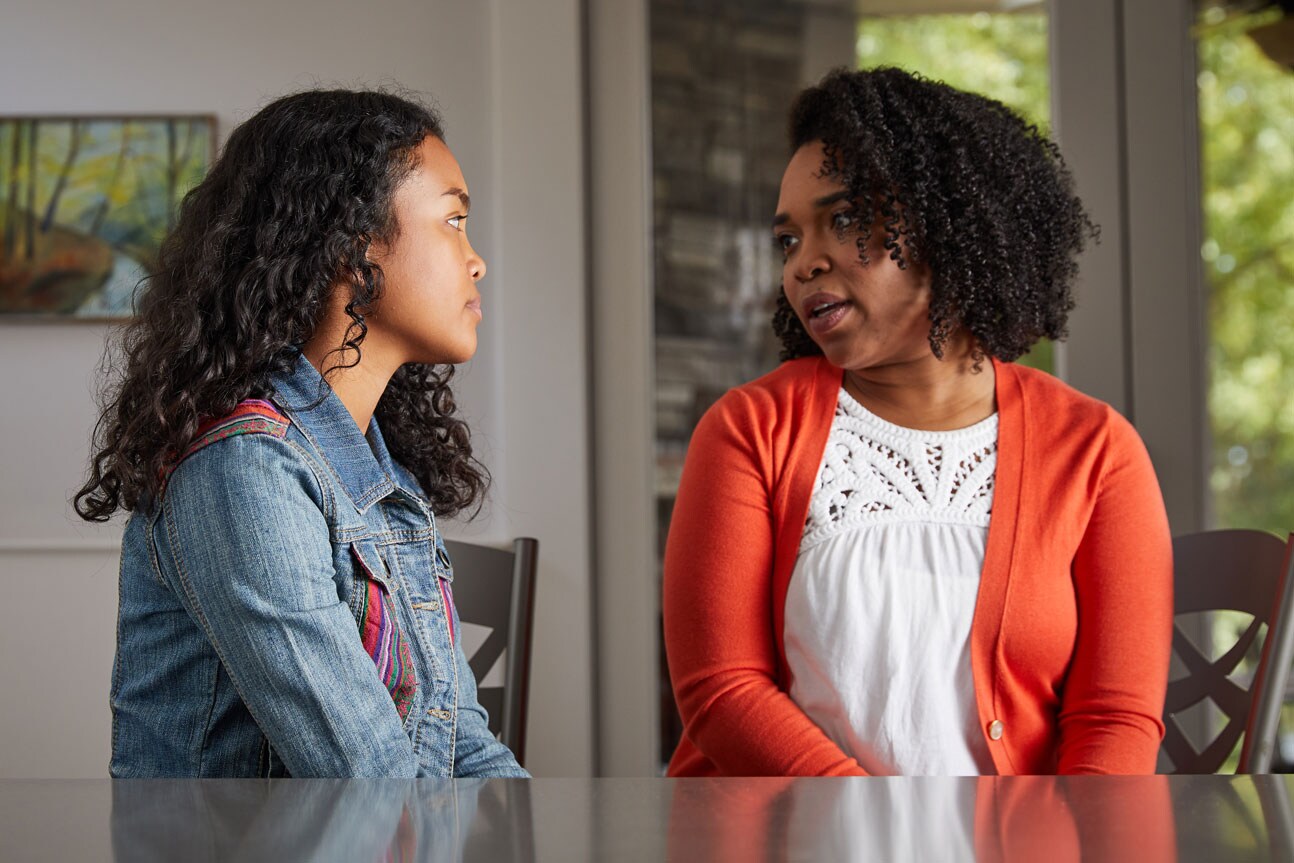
point(460, 194)
point(818, 204)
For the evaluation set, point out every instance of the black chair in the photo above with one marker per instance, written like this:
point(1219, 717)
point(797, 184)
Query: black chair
point(1248, 571)
point(495, 588)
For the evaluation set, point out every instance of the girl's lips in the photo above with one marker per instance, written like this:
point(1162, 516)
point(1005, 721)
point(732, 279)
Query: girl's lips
point(475, 305)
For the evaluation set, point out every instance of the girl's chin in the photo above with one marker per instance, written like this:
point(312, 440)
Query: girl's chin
point(449, 356)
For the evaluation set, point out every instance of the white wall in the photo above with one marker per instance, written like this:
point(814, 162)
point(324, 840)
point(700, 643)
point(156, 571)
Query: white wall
point(506, 74)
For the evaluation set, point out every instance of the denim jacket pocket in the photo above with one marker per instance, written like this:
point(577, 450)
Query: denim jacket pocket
point(379, 627)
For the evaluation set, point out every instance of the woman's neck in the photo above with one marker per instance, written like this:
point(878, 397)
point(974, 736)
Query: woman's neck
point(929, 394)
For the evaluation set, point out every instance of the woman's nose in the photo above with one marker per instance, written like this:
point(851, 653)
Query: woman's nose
point(811, 262)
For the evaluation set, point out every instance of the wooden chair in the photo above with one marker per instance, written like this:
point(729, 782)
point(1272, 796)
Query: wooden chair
point(494, 589)
point(1235, 570)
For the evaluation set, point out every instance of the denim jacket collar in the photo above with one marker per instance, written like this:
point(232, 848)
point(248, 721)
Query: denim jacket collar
point(361, 462)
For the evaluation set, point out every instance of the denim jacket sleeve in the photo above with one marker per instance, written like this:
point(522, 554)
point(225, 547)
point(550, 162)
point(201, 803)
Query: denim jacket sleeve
point(476, 751)
point(245, 544)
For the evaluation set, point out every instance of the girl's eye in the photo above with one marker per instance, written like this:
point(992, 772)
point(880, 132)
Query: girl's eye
point(842, 221)
point(457, 222)
point(784, 243)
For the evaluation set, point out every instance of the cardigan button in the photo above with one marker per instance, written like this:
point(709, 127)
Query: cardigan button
point(995, 729)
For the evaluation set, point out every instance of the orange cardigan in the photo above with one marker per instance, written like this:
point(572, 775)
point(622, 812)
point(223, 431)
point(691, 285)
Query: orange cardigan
point(1073, 621)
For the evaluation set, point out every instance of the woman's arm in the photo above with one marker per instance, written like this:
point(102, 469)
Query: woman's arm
point(1111, 706)
point(253, 565)
point(718, 608)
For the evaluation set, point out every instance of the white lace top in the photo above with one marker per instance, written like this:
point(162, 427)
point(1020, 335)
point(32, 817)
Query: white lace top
point(879, 608)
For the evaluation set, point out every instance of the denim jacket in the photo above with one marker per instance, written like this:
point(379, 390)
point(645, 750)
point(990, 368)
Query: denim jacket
point(286, 610)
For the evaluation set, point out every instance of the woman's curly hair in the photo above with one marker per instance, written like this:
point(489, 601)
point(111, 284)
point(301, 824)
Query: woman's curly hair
point(960, 183)
point(287, 212)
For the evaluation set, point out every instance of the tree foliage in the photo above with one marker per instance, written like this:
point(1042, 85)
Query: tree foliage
point(1246, 105)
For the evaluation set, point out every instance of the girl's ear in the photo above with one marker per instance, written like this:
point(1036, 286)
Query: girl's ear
point(375, 250)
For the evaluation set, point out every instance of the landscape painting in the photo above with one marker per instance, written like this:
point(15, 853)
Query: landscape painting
point(84, 204)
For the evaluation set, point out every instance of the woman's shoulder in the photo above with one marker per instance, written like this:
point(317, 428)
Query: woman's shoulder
point(772, 416)
point(1040, 387)
point(1052, 404)
point(795, 386)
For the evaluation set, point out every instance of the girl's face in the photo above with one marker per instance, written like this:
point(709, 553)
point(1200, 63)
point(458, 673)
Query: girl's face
point(863, 316)
point(430, 307)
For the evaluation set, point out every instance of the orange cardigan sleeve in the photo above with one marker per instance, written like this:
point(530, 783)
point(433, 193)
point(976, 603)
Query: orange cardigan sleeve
point(719, 631)
point(1113, 698)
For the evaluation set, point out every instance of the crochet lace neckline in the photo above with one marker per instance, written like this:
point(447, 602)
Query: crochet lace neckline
point(876, 472)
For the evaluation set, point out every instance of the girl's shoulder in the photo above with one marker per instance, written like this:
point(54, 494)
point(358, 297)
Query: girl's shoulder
point(249, 448)
point(249, 417)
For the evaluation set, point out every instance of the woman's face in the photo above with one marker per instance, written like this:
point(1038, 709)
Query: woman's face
point(430, 307)
point(863, 316)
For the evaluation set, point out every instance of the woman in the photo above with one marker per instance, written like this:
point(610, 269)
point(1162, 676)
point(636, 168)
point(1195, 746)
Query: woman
point(899, 552)
point(283, 435)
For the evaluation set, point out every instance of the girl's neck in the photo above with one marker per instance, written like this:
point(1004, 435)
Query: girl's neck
point(360, 386)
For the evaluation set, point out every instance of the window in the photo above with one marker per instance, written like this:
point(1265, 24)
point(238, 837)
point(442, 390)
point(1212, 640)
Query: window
point(1246, 111)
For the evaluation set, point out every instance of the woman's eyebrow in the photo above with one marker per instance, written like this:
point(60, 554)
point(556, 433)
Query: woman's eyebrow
point(462, 196)
point(828, 200)
point(818, 204)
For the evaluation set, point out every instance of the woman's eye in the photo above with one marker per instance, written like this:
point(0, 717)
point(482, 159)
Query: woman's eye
point(842, 221)
point(784, 243)
point(457, 222)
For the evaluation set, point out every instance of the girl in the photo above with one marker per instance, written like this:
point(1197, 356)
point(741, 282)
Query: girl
point(283, 435)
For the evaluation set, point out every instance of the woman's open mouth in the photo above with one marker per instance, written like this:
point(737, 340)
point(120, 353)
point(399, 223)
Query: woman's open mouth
point(822, 312)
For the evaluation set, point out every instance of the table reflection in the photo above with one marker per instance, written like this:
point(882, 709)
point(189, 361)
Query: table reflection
point(318, 820)
point(1146, 819)
point(976, 819)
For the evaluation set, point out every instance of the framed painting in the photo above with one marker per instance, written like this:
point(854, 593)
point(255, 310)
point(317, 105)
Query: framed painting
point(84, 205)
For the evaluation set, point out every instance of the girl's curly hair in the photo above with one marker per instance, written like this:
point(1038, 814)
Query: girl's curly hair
point(286, 213)
point(960, 183)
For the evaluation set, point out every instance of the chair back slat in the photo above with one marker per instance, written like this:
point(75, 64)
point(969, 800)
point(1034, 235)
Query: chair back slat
point(1226, 570)
point(1273, 672)
point(1245, 571)
point(495, 588)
